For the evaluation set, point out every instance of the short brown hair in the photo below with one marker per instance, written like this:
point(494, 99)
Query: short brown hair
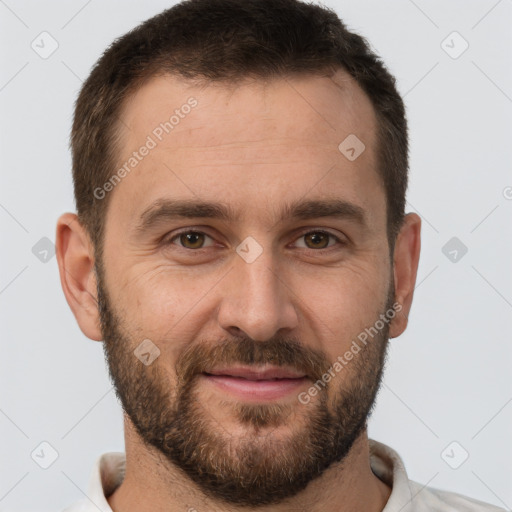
point(229, 40)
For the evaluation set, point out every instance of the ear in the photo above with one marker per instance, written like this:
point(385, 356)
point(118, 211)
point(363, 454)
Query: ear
point(75, 257)
point(406, 258)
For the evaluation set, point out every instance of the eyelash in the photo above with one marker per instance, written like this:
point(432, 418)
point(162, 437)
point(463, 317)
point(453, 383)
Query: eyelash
point(339, 241)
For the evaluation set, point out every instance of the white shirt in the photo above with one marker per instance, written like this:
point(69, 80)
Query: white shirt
point(406, 495)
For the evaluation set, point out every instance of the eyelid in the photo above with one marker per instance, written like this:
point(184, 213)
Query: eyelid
point(339, 240)
point(170, 240)
point(300, 234)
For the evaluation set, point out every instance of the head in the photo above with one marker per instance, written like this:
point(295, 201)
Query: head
point(240, 171)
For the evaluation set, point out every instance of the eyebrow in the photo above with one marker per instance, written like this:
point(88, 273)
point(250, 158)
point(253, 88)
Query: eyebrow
point(166, 210)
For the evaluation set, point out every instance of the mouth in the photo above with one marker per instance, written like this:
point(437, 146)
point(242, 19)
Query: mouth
point(256, 384)
point(252, 373)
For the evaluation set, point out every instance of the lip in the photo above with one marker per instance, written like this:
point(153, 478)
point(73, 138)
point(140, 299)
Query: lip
point(262, 373)
point(256, 384)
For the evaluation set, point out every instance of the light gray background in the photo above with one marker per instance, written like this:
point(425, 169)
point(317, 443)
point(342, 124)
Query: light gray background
point(449, 375)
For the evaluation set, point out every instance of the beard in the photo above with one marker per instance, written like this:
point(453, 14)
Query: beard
point(262, 466)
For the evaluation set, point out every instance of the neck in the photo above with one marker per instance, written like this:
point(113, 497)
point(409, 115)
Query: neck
point(152, 483)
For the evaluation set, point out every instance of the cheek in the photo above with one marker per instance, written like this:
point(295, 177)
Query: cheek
point(162, 302)
point(344, 303)
point(171, 305)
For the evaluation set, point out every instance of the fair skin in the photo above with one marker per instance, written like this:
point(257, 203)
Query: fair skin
point(254, 148)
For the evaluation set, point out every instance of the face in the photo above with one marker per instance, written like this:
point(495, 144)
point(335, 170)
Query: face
point(250, 254)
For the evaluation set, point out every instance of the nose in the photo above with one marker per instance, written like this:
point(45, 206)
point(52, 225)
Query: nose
point(256, 301)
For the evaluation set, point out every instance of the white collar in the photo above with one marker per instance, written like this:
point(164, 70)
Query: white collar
point(406, 495)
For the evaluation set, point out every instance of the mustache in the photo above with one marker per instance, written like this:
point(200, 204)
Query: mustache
point(203, 357)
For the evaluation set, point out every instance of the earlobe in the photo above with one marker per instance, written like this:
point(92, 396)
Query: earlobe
point(75, 257)
point(406, 259)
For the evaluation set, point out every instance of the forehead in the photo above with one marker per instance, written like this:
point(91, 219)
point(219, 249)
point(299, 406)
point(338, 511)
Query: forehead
point(275, 139)
point(303, 107)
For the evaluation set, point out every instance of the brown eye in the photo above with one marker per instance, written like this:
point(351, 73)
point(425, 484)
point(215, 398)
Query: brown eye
point(318, 240)
point(190, 239)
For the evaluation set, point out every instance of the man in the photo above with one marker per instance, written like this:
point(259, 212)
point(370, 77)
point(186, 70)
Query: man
point(241, 247)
